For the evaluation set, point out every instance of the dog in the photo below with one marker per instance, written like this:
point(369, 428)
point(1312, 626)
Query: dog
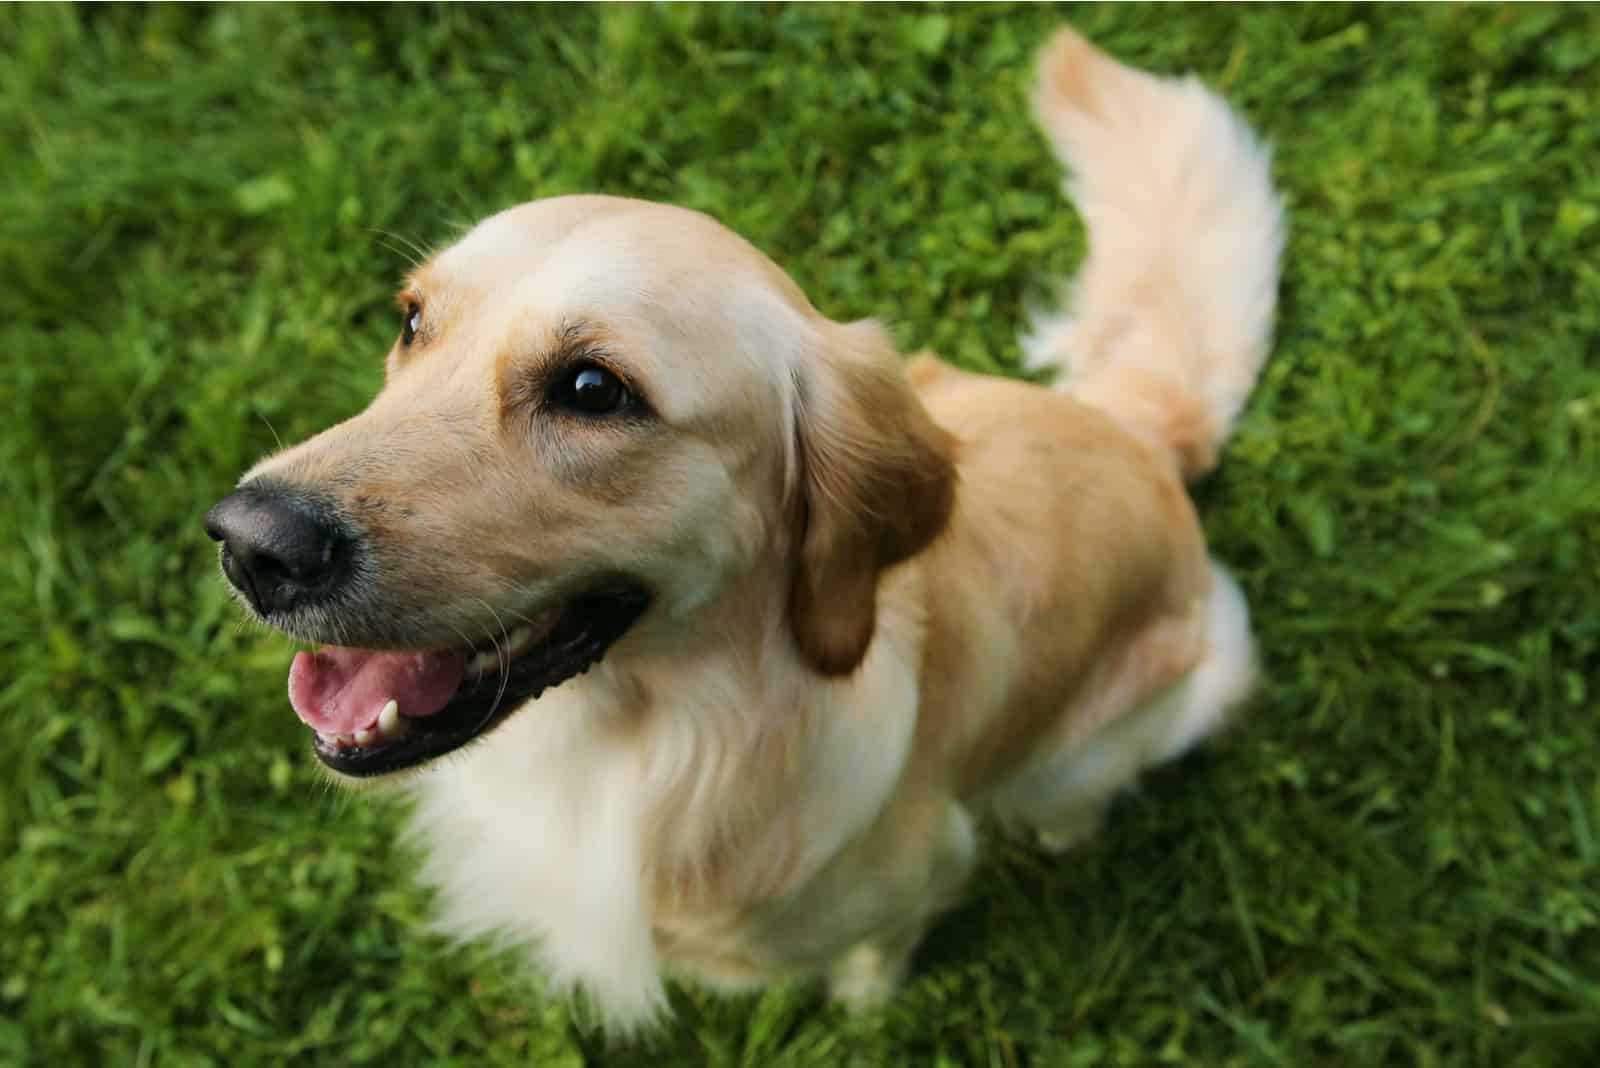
point(703, 631)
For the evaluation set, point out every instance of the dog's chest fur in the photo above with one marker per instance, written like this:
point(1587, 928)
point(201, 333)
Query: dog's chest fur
point(688, 839)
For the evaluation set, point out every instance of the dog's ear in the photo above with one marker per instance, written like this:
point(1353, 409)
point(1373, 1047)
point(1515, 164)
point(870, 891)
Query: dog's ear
point(876, 483)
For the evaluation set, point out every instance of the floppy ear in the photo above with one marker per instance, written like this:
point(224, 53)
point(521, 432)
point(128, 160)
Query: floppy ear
point(877, 478)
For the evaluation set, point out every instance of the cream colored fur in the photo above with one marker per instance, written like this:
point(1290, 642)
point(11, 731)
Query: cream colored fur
point(890, 603)
point(1170, 317)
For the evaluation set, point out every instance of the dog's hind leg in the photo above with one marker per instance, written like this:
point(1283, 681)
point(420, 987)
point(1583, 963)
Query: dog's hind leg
point(1175, 687)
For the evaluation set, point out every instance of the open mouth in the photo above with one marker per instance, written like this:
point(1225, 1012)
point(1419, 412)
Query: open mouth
point(374, 711)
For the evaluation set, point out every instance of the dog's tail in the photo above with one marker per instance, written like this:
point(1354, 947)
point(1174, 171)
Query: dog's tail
point(1170, 316)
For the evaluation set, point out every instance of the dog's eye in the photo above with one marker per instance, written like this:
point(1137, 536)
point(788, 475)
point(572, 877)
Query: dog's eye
point(413, 323)
point(592, 390)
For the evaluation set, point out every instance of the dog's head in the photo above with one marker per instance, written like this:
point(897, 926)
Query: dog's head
point(600, 416)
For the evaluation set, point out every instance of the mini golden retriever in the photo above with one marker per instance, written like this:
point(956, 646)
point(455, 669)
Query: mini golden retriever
point(703, 630)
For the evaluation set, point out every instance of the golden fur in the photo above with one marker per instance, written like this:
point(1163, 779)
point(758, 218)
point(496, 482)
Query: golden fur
point(890, 599)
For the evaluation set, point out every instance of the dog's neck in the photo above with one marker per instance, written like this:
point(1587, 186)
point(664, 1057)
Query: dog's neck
point(705, 699)
point(658, 789)
point(733, 724)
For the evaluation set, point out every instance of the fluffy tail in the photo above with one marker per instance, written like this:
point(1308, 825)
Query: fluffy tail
point(1170, 316)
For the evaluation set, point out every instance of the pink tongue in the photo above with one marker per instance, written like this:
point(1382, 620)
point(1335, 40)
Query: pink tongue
point(341, 691)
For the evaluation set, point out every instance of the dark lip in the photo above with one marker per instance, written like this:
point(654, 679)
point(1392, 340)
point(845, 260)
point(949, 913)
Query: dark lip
point(589, 626)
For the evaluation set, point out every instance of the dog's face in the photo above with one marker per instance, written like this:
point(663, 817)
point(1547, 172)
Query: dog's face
point(599, 415)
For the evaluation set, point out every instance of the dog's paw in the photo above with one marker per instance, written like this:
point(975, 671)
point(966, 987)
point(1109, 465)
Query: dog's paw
point(864, 978)
point(1071, 828)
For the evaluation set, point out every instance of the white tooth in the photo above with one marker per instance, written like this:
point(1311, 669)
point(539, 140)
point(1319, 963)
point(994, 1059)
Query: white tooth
point(484, 662)
point(389, 718)
point(344, 740)
point(519, 637)
point(366, 736)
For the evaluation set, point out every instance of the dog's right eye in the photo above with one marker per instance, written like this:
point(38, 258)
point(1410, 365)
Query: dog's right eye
point(592, 390)
point(413, 323)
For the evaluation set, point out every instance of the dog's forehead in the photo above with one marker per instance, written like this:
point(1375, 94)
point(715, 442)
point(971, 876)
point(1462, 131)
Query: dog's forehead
point(511, 244)
point(613, 245)
point(652, 271)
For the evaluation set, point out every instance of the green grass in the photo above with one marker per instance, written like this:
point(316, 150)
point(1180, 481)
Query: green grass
point(1393, 862)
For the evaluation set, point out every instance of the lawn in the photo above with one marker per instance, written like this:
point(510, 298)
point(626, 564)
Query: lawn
point(1394, 861)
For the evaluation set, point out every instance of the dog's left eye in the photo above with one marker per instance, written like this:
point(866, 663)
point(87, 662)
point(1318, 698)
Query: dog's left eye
point(592, 390)
point(413, 323)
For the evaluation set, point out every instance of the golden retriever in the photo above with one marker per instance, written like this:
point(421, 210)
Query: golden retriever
point(705, 630)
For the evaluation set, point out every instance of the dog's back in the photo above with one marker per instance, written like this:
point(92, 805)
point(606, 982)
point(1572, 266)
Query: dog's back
point(1075, 569)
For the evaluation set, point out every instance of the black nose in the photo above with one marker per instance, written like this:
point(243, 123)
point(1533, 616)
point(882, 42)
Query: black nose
point(278, 549)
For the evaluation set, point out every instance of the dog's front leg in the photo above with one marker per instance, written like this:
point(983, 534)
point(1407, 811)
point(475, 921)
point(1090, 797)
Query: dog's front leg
point(869, 973)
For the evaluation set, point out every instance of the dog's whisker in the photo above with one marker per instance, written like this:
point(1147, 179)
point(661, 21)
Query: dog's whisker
point(503, 654)
point(503, 675)
point(414, 251)
point(270, 427)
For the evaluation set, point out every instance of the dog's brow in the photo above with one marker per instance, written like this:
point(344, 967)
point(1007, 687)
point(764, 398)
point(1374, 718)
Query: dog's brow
point(570, 341)
point(575, 336)
point(575, 339)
